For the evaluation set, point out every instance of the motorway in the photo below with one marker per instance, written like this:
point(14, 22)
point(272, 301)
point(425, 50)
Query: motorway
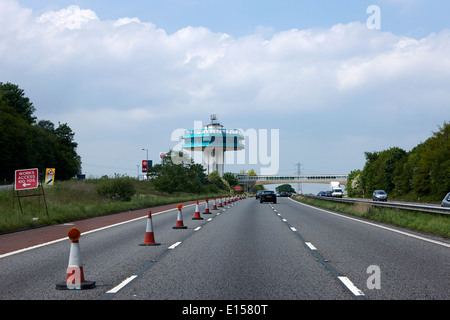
point(245, 251)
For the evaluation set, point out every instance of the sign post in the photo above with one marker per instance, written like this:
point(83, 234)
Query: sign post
point(27, 179)
point(49, 176)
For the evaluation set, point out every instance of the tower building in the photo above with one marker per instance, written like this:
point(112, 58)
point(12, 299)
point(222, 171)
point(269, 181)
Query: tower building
point(213, 140)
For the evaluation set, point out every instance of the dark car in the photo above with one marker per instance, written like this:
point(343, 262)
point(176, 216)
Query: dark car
point(379, 195)
point(268, 196)
point(284, 194)
point(258, 194)
point(322, 194)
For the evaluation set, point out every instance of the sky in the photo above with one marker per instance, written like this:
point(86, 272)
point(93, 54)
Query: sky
point(319, 82)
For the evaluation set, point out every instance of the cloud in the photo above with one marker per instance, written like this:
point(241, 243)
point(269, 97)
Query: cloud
point(117, 74)
point(129, 64)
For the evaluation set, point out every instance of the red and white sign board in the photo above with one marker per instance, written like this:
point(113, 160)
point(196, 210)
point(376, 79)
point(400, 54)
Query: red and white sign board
point(26, 179)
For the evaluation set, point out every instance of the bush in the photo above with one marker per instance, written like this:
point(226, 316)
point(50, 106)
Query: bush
point(117, 189)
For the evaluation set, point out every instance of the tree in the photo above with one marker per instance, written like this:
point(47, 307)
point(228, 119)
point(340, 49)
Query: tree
point(231, 179)
point(285, 188)
point(13, 100)
point(27, 144)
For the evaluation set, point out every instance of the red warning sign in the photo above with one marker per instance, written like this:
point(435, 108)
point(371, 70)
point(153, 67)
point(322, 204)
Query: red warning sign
point(26, 179)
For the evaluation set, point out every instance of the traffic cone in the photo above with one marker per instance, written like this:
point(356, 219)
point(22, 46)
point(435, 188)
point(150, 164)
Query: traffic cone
point(197, 213)
point(75, 275)
point(207, 208)
point(180, 224)
point(214, 204)
point(220, 202)
point(149, 236)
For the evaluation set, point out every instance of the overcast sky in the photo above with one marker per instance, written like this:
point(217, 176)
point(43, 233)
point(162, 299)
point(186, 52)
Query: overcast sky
point(129, 75)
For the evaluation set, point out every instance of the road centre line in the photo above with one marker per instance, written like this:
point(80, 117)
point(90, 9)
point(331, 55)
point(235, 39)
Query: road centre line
point(109, 294)
point(310, 245)
point(378, 226)
point(122, 284)
point(346, 281)
point(174, 245)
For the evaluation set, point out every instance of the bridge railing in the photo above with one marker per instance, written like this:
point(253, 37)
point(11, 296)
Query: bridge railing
point(306, 178)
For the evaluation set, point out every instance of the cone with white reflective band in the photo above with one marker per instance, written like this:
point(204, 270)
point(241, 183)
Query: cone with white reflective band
point(197, 213)
point(180, 224)
point(149, 239)
point(220, 202)
point(214, 204)
point(207, 207)
point(75, 274)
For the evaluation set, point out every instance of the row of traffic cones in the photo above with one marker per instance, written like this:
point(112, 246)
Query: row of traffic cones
point(75, 275)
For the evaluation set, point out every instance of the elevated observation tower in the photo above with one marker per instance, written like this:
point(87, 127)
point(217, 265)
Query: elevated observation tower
point(213, 140)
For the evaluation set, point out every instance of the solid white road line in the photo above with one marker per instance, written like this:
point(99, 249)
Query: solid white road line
point(84, 233)
point(378, 226)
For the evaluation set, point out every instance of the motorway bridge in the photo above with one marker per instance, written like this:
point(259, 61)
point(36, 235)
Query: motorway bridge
point(316, 178)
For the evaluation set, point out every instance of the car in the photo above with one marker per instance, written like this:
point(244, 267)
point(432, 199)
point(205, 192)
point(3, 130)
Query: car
point(284, 194)
point(322, 194)
point(268, 196)
point(379, 195)
point(446, 201)
point(258, 194)
point(329, 193)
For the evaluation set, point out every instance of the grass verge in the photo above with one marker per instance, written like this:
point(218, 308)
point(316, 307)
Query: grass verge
point(430, 223)
point(75, 200)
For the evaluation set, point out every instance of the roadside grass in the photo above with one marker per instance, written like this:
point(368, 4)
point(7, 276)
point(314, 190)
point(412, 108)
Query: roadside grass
point(75, 200)
point(430, 223)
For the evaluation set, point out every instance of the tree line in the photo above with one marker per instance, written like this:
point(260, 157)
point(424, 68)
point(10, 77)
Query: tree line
point(183, 175)
point(26, 142)
point(423, 172)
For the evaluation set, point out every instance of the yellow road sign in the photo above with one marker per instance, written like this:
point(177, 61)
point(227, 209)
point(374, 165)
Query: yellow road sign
point(49, 176)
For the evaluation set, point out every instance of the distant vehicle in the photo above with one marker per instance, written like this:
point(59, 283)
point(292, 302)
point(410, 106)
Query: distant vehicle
point(284, 194)
point(258, 194)
point(329, 193)
point(322, 194)
point(268, 196)
point(379, 195)
point(336, 190)
point(446, 201)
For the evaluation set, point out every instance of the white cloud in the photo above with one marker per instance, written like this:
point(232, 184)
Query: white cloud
point(128, 71)
point(71, 18)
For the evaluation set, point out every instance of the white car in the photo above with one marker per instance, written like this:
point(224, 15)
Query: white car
point(446, 201)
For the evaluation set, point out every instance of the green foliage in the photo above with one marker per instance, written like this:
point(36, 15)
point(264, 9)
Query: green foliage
point(119, 188)
point(231, 179)
point(422, 172)
point(179, 173)
point(27, 144)
point(285, 188)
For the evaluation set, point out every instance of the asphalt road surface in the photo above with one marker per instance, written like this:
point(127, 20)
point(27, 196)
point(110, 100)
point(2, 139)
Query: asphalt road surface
point(244, 251)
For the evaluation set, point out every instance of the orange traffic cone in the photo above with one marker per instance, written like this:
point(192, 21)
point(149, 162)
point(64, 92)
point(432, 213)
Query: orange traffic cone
point(75, 275)
point(214, 204)
point(220, 202)
point(149, 236)
point(180, 224)
point(197, 213)
point(207, 208)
